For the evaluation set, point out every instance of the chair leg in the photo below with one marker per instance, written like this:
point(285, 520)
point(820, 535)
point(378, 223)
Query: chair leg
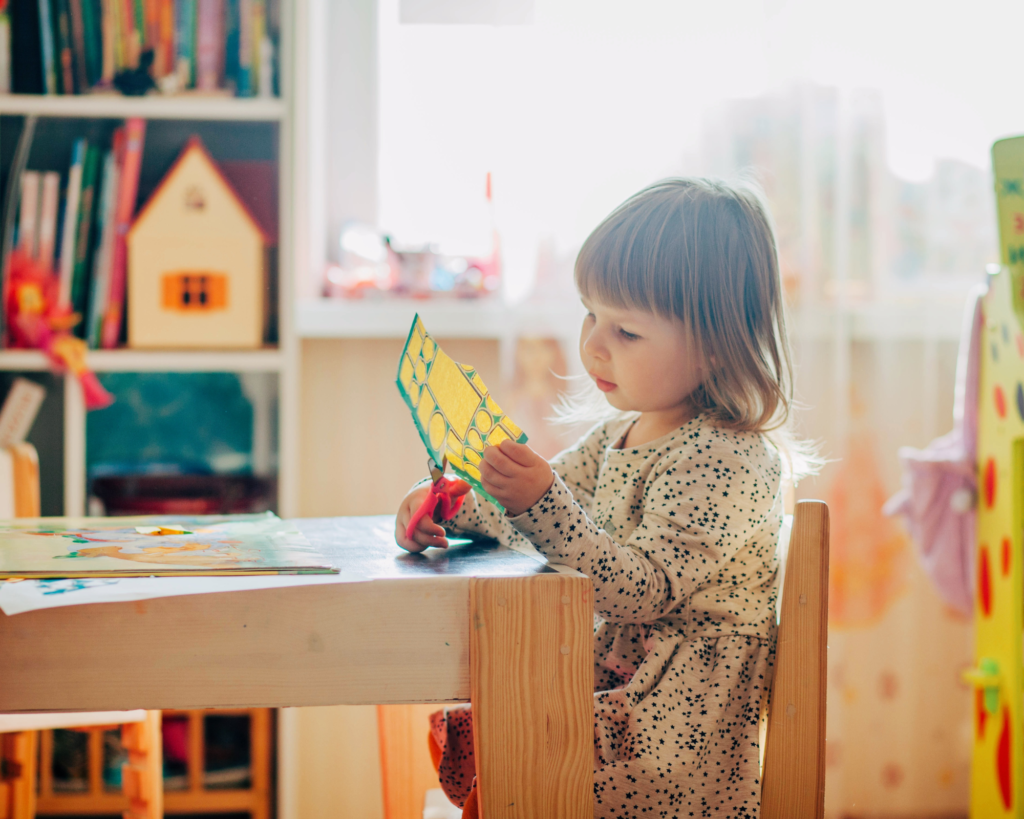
point(143, 772)
point(18, 777)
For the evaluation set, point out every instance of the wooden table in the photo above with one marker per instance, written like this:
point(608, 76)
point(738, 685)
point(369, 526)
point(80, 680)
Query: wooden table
point(478, 622)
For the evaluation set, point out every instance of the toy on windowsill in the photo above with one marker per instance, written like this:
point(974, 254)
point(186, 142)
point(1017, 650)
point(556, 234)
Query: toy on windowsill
point(35, 321)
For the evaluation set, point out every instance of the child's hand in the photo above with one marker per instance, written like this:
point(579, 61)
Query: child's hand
point(427, 532)
point(515, 475)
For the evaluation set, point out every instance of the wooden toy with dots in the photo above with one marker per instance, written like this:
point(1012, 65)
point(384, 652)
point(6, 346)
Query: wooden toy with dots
point(998, 675)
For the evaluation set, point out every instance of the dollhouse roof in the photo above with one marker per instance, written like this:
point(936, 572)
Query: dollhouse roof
point(195, 148)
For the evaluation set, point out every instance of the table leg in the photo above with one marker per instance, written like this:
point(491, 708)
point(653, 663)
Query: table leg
point(532, 683)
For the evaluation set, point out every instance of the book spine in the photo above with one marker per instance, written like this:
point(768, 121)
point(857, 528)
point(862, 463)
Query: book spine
point(258, 22)
point(245, 78)
point(28, 215)
point(231, 44)
point(111, 38)
point(165, 45)
point(92, 41)
point(78, 44)
point(135, 132)
point(130, 41)
point(5, 48)
point(70, 230)
point(186, 26)
point(62, 15)
point(208, 44)
point(48, 207)
point(105, 233)
point(83, 242)
point(46, 42)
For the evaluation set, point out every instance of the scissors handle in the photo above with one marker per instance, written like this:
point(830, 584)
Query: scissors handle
point(448, 493)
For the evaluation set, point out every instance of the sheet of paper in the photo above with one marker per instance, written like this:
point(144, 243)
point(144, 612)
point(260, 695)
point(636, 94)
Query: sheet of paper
point(143, 546)
point(454, 413)
point(18, 597)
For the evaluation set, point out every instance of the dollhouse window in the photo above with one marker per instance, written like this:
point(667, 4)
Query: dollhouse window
point(195, 292)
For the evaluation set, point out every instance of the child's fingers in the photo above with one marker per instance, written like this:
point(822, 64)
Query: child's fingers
point(492, 477)
point(430, 528)
point(519, 453)
point(499, 461)
point(424, 540)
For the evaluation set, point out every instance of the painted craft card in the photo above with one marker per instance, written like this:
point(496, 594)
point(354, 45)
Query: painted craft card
point(451, 407)
point(164, 545)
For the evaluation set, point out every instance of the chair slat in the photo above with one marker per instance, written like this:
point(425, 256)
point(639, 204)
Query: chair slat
point(793, 780)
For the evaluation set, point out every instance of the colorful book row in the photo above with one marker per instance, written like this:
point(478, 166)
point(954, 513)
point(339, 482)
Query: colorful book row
point(78, 46)
point(81, 236)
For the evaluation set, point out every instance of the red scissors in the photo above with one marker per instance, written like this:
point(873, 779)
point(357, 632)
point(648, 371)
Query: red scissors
point(446, 495)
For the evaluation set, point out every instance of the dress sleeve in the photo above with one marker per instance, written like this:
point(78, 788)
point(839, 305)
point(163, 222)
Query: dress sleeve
point(690, 530)
point(578, 467)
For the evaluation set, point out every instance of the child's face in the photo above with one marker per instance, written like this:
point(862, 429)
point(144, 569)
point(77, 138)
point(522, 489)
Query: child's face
point(640, 361)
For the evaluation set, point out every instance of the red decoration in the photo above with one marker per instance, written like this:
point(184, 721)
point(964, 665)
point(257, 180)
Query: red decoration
point(980, 713)
point(984, 582)
point(990, 482)
point(1003, 761)
point(35, 320)
point(1000, 402)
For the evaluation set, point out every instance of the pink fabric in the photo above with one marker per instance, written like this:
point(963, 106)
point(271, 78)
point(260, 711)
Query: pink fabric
point(939, 490)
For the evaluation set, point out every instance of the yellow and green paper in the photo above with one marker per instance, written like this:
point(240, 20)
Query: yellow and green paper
point(451, 407)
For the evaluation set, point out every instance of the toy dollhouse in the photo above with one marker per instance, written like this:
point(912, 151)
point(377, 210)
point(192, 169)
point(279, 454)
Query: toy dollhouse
point(195, 262)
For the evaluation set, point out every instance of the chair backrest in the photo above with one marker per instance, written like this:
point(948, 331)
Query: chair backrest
point(793, 777)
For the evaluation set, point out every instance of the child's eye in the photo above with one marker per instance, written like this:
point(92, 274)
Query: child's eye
point(628, 335)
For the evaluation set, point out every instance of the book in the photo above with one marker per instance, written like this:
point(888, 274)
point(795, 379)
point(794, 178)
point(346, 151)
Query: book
point(26, 47)
point(84, 240)
point(5, 48)
point(131, 42)
point(70, 228)
point(231, 44)
point(128, 188)
point(245, 46)
point(105, 242)
point(208, 44)
point(19, 411)
point(92, 35)
point(62, 37)
point(78, 44)
point(111, 39)
point(165, 43)
point(47, 45)
point(185, 35)
point(15, 170)
point(49, 205)
point(28, 217)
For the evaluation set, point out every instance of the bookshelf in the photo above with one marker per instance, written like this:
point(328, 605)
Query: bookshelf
point(240, 129)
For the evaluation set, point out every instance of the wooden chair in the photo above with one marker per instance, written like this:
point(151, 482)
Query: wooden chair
point(19, 737)
point(793, 775)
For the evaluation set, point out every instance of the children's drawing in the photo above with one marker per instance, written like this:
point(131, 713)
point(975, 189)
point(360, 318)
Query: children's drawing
point(74, 584)
point(451, 407)
point(112, 547)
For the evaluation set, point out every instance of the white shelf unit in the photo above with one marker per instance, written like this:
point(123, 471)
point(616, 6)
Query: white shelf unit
point(279, 361)
point(153, 106)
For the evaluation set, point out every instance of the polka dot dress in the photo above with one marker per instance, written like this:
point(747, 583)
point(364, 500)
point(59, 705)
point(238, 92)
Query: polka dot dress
point(678, 537)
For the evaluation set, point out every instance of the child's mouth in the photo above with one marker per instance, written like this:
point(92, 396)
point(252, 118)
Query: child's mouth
point(604, 386)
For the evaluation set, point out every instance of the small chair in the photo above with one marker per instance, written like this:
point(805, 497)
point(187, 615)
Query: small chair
point(793, 774)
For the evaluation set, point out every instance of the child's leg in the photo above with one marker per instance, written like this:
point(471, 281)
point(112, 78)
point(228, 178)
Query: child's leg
point(451, 750)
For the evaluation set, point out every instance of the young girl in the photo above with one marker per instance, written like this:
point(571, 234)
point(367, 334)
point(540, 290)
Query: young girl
point(672, 507)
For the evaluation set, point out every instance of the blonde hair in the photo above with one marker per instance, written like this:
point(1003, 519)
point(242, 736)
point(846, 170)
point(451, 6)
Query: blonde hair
point(703, 251)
